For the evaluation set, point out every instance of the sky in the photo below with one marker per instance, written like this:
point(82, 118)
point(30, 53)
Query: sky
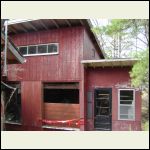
point(101, 22)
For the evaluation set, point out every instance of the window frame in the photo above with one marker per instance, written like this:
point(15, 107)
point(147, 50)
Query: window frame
point(133, 105)
point(20, 47)
point(40, 54)
point(18, 86)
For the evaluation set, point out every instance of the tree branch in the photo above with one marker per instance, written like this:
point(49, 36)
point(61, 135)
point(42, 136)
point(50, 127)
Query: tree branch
point(142, 41)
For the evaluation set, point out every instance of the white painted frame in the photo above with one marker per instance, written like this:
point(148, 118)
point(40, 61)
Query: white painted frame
point(40, 54)
point(126, 104)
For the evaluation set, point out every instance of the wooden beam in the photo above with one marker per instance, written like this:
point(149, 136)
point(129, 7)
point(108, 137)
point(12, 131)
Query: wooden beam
point(23, 28)
point(43, 24)
point(68, 22)
point(56, 24)
point(33, 27)
point(11, 28)
point(81, 22)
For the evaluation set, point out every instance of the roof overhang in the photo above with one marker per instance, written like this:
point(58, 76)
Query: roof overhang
point(28, 25)
point(13, 56)
point(109, 62)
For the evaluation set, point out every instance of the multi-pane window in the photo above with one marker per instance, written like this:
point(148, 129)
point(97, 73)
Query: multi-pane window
point(23, 50)
point(126, 104)
point(52, 48)
point(42, 49)
point(32, 50)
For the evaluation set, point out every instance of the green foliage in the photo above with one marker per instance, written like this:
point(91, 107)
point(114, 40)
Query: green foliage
point(123, 34)
point(140, 71)
point(145, 126)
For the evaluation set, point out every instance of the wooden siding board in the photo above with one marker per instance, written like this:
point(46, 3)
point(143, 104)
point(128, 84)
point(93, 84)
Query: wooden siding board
point(100, 77)
point(88, 48)
point(31, 102)
point(61, 112)
point(65, 65)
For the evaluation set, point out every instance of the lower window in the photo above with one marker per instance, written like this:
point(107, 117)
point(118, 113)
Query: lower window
point(126, 104)
point(13, 104)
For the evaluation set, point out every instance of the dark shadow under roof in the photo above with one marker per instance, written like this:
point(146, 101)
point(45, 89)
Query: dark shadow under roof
point(30, 25)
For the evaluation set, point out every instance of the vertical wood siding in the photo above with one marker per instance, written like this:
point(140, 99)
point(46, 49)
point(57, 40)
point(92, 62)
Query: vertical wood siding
point(110, 78)
point(89, 50)
point(31, 96)
point(64, 66)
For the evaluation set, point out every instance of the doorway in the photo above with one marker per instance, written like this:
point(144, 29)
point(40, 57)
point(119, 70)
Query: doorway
point(102, 109)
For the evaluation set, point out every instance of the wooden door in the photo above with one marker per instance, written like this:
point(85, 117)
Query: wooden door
point(102, 109)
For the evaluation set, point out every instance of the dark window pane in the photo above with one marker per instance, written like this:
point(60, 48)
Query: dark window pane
point(42, 49)
point(23, 50)
point(126, 102)
point(126, 95)
point(52, 48)
point(32, 50)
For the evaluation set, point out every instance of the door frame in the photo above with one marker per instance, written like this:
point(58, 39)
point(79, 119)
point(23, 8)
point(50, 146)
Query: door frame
point(94, 94)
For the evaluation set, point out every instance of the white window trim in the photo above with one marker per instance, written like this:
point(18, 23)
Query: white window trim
point(126, 104)
point(41, 54)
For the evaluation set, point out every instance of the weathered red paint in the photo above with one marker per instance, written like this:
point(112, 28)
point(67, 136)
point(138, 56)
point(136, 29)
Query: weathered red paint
point(114, 78)
point(64, 66)
point(31, 96)
point(89, 51)
point(74, 46)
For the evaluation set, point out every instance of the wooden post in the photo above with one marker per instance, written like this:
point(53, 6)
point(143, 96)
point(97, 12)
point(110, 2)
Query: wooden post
point(5, 50)
point(2, 110)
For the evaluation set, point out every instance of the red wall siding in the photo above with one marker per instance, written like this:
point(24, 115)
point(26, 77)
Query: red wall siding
point(114, 78)
point(64, 66)
point(31, 96)
point(59, 111)
point(89, 51)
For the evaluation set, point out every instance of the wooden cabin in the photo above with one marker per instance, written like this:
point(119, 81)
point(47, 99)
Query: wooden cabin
point(66, 82)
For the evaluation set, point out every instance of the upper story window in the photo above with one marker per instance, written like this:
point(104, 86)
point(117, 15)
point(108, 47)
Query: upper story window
point(126, 104)
point(41, 49)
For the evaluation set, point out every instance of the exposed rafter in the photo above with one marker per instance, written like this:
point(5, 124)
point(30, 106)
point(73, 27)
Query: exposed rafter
point(43, 24)
point(68, 22)
point(56, 24)
point(12, 29)
point(32, 26)
point(81, 22)
point(23, 28)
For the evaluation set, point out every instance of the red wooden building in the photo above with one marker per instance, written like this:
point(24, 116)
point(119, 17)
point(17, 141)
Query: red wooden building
point(66, 82)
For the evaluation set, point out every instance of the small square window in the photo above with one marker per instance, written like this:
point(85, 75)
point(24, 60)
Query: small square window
point(52, 48)
point(42, 49)
point(23, 50)
point(32, 49)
